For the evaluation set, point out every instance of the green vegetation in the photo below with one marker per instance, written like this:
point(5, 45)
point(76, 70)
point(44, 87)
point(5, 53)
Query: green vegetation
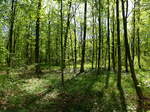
point(74, 56)
point(83, 93)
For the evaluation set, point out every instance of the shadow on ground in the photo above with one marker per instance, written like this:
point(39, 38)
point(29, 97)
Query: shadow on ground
point(83, 93)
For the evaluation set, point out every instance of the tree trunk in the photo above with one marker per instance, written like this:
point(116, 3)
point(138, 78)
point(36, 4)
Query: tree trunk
point(62, 46)
point(113, 40)
point(99, 42)
point(125, 34)
point(75, 46)
point(66, 33)
point(138, 36)
point(37, 46)
point(133, 75)
point(96, 47)
point(122, 97)
point(84, 39)
point(93, 33)
point(49, 45)
point(108, 35)
point(10, 42)
point(133, 36)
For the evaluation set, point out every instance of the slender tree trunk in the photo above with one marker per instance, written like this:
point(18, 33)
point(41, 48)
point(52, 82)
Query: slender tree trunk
point(105, 57)
point(113, 40)
point(75, 46)
point(37, 46)
point(138, 36)
point(133, 36)
point(108, 36)
point(62, 46)
point(99, 42)
point(133, 75)
point(93, 43)
point(122, 97)
point(102, 45)
point(67, 30)
point(96, 47)
point(81, 38)
point(125, 34)
point(11, 30)
point(49, 45)
point(84, 39)
point(72, 50)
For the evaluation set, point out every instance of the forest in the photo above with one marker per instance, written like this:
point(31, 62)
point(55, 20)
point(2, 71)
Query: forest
point(74, 55)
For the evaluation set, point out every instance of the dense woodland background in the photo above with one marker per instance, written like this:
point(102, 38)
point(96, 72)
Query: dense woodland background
point(74, 55)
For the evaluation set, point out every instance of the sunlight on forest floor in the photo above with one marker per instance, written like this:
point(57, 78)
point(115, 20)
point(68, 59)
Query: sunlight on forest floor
point(83, 93)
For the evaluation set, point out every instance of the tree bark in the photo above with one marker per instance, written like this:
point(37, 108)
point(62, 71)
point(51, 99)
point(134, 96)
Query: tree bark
point(133, 35)
point(138, 36)
point(99, 42)
point(133, 75)
point(84, 39)
point(75, 46)
point(122, 97)
point(93, 40)
point(66, 33)
point(11, 30)
point(108, 35)
point(49, 44)
point(62, 46)
point(37, 40)
point(113, 40)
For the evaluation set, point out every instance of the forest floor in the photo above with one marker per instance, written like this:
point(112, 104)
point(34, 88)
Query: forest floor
point(87, 92)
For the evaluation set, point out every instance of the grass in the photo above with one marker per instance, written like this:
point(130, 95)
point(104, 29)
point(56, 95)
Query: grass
point(87, 92)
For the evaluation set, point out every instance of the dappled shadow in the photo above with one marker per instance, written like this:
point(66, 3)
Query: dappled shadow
point(80, 96)
point(83, 93)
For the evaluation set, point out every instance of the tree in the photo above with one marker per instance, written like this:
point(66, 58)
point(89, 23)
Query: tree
point(133, 35)
point(133, 75)
point(62, 46)
point(84, 39)
point(113, 38)
point(67, 29)
point(108, 35)
point(138, 35)
point(99, 42)
point(37, 46)
point(93, 35)
point(11, 31)
point(122, 97)
point(75, 42)
point(49, 42)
